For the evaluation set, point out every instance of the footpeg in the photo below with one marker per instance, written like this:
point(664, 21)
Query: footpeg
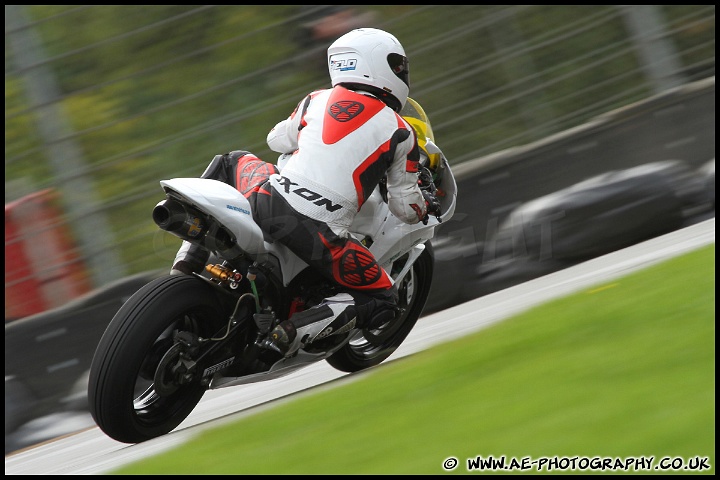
point(264, 321)
point(270, 345)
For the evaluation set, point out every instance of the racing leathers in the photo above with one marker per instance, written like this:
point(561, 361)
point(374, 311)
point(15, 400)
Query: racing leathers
point(337, 146)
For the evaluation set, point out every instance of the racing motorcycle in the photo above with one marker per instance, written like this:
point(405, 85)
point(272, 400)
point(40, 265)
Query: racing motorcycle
point(180, 335)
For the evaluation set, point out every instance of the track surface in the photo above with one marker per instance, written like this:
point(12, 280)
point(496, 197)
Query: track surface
point(92, 452)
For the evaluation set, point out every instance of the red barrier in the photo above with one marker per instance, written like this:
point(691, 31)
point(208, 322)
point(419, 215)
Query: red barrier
point(42, 267)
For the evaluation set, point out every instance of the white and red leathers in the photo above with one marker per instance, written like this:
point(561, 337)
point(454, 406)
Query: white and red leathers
point(342, 143)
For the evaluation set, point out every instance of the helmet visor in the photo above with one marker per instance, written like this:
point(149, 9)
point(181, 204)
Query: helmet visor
point(399, 65)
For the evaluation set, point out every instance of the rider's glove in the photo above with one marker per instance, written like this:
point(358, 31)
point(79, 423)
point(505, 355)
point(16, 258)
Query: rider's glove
point(425, 179)
point(432, 207)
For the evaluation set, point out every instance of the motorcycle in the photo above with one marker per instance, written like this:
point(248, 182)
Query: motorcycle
point(180, 335)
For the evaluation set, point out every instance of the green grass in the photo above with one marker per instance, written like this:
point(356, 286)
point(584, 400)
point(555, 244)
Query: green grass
point(624, 369)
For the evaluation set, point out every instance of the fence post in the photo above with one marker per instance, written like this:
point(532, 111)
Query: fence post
point(79, 198)
point(658, 56)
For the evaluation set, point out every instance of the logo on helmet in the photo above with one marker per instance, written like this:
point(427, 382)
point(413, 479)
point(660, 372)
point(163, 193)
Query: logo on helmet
point(343, 65)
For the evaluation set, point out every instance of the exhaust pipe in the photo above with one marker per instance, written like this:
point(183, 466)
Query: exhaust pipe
point(178, 219)
point(190, 224)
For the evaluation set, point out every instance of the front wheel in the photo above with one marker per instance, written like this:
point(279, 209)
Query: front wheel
point(130, 398)
point(374, 346)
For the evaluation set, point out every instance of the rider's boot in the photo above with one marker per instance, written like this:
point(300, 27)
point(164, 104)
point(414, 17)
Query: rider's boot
point(376, 309)
point(334, 315)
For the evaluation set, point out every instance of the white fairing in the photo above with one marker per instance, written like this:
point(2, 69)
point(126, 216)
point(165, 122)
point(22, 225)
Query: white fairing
point(224, 203)
point(232, 209)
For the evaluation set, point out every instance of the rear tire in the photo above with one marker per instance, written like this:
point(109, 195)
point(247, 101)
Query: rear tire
point(375, 345)
point(122, 396)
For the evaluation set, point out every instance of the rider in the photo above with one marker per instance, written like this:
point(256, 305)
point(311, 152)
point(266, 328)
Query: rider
point(336, 147)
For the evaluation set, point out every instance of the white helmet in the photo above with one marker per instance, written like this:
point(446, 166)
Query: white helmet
point(372, 60)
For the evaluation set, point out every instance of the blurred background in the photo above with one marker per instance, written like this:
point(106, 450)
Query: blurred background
point(103, 102)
